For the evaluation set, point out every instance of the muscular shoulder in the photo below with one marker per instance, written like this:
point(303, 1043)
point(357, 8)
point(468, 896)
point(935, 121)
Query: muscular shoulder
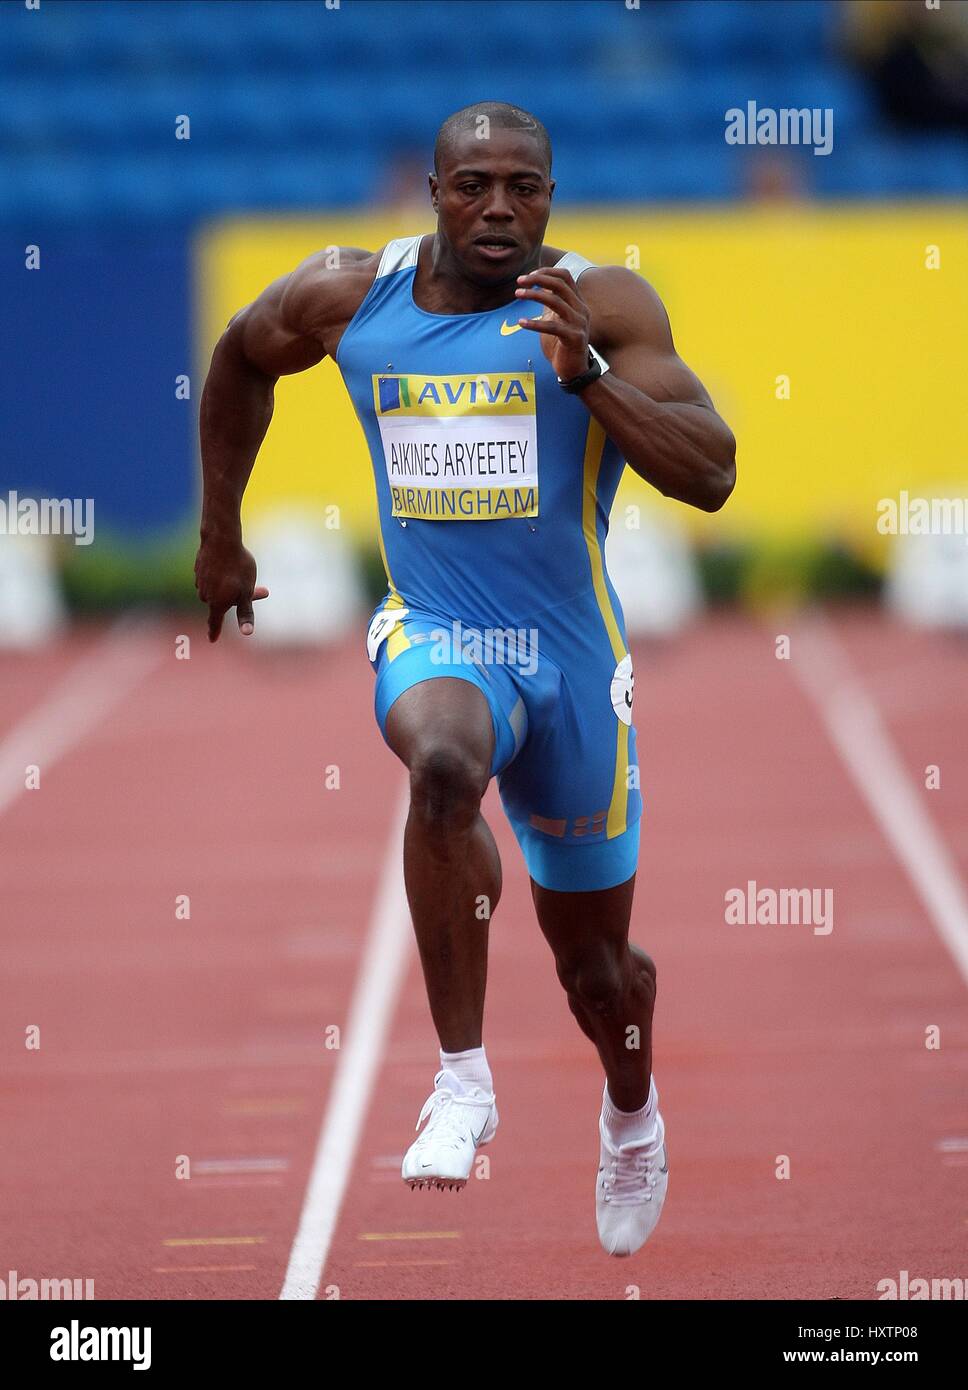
point(550, 255)
point(625, 309)
point(325, 290)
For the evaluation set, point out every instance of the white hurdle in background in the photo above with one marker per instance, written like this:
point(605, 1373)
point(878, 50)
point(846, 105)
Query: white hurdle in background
point(31, 607)
point(927, 579)
point(316, 592)
point(654, 574)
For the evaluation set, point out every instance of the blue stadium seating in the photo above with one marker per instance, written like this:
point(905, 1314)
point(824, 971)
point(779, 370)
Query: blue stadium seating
point(294, 105)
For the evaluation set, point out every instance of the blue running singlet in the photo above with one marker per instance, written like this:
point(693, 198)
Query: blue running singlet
point(494, 488)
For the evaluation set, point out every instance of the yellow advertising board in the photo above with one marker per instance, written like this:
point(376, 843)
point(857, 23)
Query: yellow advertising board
point(832, 340)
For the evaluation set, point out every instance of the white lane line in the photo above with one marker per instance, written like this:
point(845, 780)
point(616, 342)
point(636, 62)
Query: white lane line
point(90, 689)
point(859, 734)
point(371, 1011)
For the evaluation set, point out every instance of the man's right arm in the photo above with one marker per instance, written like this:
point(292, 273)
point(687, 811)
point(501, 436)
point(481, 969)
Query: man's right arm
point(290, 327)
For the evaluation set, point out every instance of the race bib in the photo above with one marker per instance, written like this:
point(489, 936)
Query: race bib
point(623, 688)
point(382, 625)
point(459, 448)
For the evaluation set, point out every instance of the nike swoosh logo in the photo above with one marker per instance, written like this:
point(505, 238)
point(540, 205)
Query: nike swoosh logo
point(477, 1137)
point(508, 328)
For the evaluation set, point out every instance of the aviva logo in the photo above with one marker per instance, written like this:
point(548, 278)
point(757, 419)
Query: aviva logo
point(487, 393)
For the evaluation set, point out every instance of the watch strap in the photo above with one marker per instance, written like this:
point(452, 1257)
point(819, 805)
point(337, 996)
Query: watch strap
point(597, 366)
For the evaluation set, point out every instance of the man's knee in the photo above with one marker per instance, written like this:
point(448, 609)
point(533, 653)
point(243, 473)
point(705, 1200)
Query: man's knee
point(602, 978)
point(447, 783)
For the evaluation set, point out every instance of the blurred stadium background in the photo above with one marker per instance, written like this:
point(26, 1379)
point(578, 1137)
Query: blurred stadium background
point(801, 286)
point(185, 904)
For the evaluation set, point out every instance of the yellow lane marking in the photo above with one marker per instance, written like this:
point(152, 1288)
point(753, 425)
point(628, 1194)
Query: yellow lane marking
point(215, 1240)
point(410, 1235)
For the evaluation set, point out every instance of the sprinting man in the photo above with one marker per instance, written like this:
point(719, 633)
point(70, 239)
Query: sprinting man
point(502, 385)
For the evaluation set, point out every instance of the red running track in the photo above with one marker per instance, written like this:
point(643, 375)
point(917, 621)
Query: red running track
point(164, 1039)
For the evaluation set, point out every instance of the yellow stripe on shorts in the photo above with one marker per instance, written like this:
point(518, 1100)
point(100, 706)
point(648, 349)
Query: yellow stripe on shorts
point(616, 822)
point(398, 641)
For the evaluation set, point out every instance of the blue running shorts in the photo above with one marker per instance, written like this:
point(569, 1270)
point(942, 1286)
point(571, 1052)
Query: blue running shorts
point(560, 697)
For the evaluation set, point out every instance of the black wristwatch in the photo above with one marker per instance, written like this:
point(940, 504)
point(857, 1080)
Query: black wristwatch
point(597, 366)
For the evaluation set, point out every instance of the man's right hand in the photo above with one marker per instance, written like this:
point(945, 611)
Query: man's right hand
point(225, 578)
point(290, 327)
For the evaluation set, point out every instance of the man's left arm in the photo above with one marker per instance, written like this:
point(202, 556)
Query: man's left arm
point(649, 403)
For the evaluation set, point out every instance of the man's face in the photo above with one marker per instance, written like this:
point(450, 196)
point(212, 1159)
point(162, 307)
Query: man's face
point(493, 200)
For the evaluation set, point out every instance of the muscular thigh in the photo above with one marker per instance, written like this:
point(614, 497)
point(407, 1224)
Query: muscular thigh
point(441, 712)
point(429, 696)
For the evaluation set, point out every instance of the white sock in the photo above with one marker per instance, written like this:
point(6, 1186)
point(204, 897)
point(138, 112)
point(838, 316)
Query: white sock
point(622, 1126)
point(469, 1067)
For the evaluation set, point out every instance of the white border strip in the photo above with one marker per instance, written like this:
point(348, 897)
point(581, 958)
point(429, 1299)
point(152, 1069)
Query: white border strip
point(378, 985)
point(91, 688)
point(860, 736)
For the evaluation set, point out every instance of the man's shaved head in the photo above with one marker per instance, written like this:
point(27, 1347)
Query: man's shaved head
point(480, 118)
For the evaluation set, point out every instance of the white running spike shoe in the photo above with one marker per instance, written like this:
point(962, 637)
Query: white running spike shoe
point(631, 1188)
point(459, 1120)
